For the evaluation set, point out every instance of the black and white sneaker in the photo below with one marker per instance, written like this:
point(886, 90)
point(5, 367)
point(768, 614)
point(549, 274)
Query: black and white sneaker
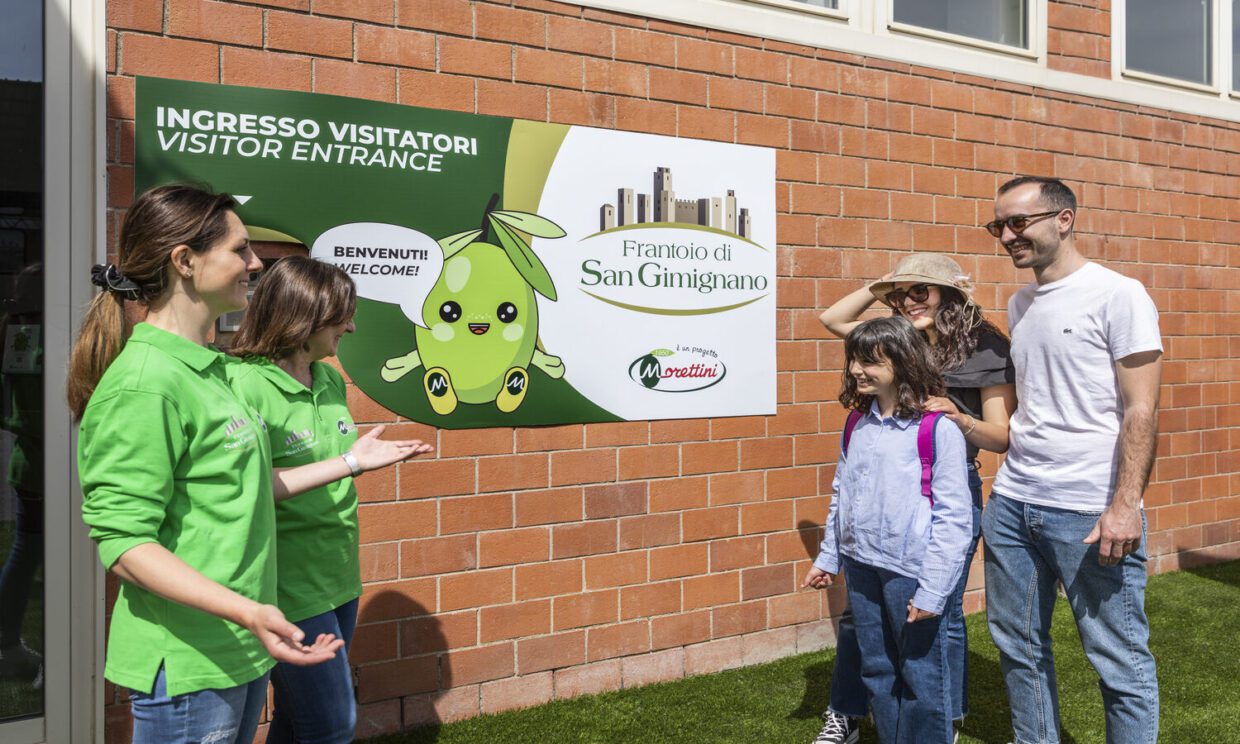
point(837, 729)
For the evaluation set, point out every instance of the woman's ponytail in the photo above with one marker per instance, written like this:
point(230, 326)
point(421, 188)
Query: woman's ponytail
point(160, 219)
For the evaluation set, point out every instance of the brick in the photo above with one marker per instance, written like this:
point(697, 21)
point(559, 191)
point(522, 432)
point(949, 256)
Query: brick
point(395, 46)
point(136, 15)
point(678, 560)
point(472, 57)
point(649, 531)
point(481, 664)
point(680, 630)
point(357, 81)
point(738, 619)
point(615, 570)
point(514, 621)
point(585, 109)
point(652, 668)
point(584, 466)
point(383, 522)
point(516, 693)
point(438, 555)
point(514, 471)
point(770, 516)
point(396, 600)
point(171, 58)
point(618, 640)
point(426, 478)
point(711, 590)
point(679, 493)
point(326, 37)
point(379, 562)
point(582, 37)
point(375, 11)
point(704, 56)
point(648, 600)
point(448, 16)
point(588, 679)
point(617, 434)
point(735, 488)
point(767, 581)
point(548, 579)
point(707, 124)
point(394, 679)
point(550, 438)
point(638, 45)
point(551, 652)
point(581, 610)
point(548, 507)
point(514, 546)
point(615, 500)
point(649, 462)
point(212, 21)
point(679, 430)
point(444, 706)
point(475, 589)
point(708, 457)
point(374, 719)
point(437, 633)
point(741, 552)
point(378, 642)
point(508, 24)
point(677, 86)
point(715, 656)
point(769, 645)
point(621, 78)
point(475, 513)
point(587, 538)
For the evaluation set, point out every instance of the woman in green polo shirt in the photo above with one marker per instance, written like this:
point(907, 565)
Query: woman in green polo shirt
point(177, 479)
point(300, 310)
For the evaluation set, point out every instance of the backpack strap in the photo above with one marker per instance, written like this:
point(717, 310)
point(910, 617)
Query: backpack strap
point(925, 450)
point(854, 416)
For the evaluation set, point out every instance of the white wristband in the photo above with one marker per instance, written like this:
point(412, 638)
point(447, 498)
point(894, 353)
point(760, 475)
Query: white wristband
point(351, 461)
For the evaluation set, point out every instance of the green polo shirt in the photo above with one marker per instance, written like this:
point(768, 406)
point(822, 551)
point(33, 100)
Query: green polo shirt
point(168, 454)
point(316, 532)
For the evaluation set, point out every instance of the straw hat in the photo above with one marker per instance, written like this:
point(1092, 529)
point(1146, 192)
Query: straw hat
point(926, 268)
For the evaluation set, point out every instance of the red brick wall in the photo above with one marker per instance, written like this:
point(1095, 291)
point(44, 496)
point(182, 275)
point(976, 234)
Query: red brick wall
point(1079, 36)
point(523, 565)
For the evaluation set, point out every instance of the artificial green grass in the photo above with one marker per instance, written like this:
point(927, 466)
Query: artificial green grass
point(1194, 617)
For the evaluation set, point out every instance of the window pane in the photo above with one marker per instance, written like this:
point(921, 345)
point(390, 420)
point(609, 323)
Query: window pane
point(1171, 38)
point(999, 21)
point(21, 359)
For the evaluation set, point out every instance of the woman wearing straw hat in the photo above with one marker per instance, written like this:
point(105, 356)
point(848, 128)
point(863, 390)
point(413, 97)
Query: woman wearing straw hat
point(934, 293)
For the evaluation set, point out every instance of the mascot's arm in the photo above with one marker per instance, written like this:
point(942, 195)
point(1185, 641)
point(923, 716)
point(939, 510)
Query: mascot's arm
point(397, 367)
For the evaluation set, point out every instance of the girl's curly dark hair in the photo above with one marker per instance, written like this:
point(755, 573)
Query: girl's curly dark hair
point(960, 325)
point(894, 340)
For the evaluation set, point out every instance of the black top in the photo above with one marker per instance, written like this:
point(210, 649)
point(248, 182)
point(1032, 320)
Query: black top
point(989, 364)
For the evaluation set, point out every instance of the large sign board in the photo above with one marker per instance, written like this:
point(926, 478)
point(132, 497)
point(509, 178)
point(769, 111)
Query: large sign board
point(509, 272)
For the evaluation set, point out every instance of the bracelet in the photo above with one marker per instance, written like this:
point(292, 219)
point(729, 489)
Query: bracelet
point(354, 468)
point(971, 426)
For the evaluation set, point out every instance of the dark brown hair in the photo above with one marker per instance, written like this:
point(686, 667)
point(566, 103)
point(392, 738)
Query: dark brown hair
point(160, 219)
point(1055, 193)
point(295, 298)
point(960, 326)
point(894, 340)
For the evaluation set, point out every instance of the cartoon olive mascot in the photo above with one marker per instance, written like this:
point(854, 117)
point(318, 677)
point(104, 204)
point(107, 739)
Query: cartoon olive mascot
point(481, 317)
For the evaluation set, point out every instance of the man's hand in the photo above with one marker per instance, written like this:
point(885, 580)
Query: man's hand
point(916, 615)
point(816, 578)
point(1118, 533)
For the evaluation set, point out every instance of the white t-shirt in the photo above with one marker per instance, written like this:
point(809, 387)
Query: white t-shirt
point(1066, 338)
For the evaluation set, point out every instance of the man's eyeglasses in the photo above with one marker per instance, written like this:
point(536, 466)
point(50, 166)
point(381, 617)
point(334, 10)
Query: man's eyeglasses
point(916, 293)
point(1017, 222)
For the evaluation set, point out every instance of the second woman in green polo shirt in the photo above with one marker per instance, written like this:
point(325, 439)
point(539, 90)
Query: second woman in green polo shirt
point(300, 310)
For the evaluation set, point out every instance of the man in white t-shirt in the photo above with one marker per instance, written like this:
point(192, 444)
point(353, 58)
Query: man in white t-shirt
point(1066, 504)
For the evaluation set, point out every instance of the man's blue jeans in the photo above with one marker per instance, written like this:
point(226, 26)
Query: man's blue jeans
point(315, 704)
point(848, 696)
point(228, 716)
point(904, 665)
point(1029, 548)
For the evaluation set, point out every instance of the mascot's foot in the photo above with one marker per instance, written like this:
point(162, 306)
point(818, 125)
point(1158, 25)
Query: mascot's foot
point(516, 380)
point(439, 392)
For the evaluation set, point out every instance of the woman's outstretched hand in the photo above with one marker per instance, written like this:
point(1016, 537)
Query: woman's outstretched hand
point(283, 640)
point(373, 453)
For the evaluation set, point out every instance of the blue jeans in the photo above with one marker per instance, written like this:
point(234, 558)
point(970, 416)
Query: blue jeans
point(315, 704)
point(1028, 548)
point(904, 665)
point(848, 695)
point(228, 716)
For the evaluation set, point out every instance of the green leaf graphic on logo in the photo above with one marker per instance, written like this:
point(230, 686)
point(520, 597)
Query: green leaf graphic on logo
point(539, 227)
point(662, 352)
point(454, 243)
point(524, 259)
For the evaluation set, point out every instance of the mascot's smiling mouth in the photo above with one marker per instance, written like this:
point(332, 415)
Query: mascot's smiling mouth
point(479, 328)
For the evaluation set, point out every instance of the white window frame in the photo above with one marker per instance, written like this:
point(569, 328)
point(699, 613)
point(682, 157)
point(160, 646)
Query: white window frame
point(1221, 50)
point(1035, 21)
point(857, 29)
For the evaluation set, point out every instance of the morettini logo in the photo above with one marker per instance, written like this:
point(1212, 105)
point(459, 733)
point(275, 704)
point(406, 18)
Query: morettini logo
point(668, 371)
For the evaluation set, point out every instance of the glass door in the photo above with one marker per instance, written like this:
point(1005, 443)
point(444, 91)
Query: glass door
point(22, 334)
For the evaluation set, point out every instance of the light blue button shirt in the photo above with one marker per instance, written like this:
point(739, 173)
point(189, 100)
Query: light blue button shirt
point(879, 517)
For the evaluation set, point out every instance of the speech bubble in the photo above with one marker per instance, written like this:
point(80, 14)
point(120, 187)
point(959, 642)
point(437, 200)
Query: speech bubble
point(389, 263)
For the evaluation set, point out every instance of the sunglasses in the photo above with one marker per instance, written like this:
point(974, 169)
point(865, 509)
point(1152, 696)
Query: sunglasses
point(1017, 222)
point(916, 293)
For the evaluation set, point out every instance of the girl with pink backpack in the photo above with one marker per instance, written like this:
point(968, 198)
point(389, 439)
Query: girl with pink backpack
point(900, 526)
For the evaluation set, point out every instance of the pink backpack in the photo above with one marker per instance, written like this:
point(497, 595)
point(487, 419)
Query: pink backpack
point(925, 444)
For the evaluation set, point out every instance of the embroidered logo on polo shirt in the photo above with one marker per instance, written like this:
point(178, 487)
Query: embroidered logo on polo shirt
point(238, 433)
point(299, 441)
point(1067, 330)
point(345, 426)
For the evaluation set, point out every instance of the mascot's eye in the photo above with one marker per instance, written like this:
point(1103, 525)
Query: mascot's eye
point(450, 312)
point(506, 312)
